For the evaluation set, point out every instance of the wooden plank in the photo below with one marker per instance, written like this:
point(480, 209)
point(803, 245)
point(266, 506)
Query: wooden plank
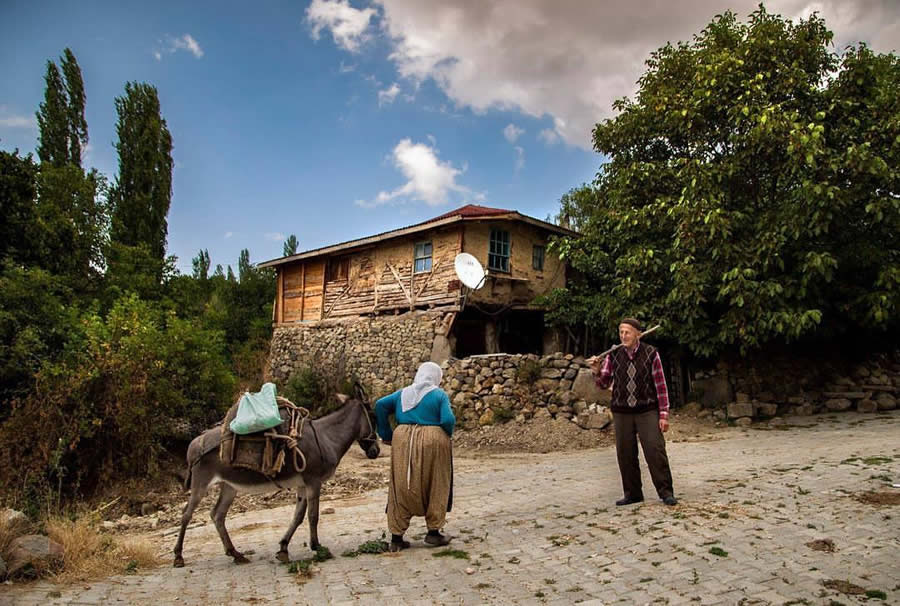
point(303, 289)
point(322, 303)
point(279, 297)
point(400, 282)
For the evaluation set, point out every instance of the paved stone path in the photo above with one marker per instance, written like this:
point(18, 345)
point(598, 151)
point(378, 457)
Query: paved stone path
point(543, 529)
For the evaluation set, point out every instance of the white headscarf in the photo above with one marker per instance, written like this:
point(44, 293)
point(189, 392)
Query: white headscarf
point(428, 377)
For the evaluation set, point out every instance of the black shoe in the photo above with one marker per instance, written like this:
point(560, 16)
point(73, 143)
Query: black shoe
point(396, 546)
point(629, 501)
point(437, 540)
point(670, 500)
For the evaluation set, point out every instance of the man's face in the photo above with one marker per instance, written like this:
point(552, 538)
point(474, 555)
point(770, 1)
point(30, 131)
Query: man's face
point(629, 335)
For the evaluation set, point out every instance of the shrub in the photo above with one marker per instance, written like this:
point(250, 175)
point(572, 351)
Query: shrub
point(528, 372)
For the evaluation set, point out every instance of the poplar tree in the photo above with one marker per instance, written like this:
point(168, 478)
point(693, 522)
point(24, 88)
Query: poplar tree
point(142, 193)
point(290, 246)
point(63, 128)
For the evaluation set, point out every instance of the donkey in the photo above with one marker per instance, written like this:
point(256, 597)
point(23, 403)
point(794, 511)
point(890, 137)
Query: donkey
point(323, 443)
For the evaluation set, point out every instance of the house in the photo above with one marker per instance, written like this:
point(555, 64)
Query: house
point(411, 268)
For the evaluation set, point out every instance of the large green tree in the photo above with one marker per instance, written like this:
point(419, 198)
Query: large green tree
point(751, 192)
point(63, 128)
point(142, 192)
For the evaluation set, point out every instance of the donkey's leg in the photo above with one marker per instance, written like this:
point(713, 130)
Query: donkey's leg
point(299, 512)
point(312, 497)
point(199, 486)
point(218, 512)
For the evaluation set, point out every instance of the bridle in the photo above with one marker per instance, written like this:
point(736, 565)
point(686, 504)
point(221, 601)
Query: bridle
point(372, 438)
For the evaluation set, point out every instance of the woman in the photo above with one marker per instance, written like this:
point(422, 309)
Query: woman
point(421, 456)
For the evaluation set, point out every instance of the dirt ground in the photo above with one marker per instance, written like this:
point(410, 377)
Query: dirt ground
point(141, 507)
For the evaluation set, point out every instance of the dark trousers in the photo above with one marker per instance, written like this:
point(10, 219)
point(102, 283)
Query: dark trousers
point(644, 426)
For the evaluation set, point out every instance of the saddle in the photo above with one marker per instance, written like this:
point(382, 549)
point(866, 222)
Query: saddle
point(266, 451)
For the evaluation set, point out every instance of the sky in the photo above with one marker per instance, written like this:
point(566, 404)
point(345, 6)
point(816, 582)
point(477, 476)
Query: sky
point(338, 119)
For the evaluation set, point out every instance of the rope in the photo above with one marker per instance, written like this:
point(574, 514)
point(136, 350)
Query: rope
point(298, 415)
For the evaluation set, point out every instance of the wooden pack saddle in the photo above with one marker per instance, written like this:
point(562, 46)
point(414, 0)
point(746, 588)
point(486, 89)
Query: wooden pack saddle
point(266, 451)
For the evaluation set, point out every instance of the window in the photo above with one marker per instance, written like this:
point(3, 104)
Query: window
point(498, 251)
point(337, 269)
point(423, 257)
point(537, 258)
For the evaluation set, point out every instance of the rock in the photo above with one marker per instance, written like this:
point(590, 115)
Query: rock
point(586, 389)
point(691, 408)
point(867, 406)
point(703, 414)
point(553, 409)
point(33, 550)
point(487, 418)
point(719, 415)
point(766, 410)
point(579, 406)
point(541, 413)
point(147, 509)
point(3, 569)
point(803, 410)
point(741, 398)
point(838, 404)
point(328, 510)
point(844, 395)
point(570, 374)
point(886, 388)
point(776, 422)
point(108, 525)
point(551, 373)
point(740, 409)
point(886, 401)
point(714, 391)
point(440, 349)
point(743, 422)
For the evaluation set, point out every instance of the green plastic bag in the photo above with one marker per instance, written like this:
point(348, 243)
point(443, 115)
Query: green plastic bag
point(256, 411)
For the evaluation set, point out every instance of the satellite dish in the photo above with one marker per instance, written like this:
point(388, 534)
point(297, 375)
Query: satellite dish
point(469, 270)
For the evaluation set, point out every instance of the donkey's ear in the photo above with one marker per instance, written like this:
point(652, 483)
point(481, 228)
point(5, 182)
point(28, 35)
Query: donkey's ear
point(360, 392)
point(342, 397)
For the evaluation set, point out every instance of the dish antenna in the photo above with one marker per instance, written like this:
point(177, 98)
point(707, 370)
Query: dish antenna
point(469, 271)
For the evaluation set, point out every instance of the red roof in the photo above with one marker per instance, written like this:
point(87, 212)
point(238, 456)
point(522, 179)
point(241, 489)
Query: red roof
point(471, 210)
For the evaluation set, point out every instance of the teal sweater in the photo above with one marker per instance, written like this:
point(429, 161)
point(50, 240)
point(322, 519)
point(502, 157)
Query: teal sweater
point(434, 409)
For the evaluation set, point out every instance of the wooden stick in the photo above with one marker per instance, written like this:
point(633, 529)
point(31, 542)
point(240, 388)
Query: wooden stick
point(600, 356)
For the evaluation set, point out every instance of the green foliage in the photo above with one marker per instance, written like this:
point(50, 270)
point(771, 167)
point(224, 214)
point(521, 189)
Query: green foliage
point(104, 409)
point(528, 372)
point(63, 128)
point(143, 190)
point(306, 387)
point(290, 246)
point(18, 191)
point(751, 193)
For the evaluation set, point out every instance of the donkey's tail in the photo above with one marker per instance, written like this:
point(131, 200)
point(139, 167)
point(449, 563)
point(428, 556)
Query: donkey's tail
point(187, 477)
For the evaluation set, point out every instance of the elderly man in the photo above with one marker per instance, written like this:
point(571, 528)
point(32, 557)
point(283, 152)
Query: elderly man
point(640, 407)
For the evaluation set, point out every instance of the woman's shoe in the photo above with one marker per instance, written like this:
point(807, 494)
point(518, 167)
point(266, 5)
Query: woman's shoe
point(437, 540)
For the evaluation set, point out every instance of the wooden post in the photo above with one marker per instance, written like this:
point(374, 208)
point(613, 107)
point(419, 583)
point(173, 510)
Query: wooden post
point(324, 275)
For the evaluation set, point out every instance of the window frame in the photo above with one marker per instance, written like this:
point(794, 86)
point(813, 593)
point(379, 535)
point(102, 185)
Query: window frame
point(534, 256)
point(337, 269)
point(495, 250)
point(428, 260)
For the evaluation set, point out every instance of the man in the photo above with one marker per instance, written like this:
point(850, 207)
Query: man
point(640, 407)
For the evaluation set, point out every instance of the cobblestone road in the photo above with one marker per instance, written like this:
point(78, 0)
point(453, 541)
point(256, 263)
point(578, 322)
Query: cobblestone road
point(542, 529)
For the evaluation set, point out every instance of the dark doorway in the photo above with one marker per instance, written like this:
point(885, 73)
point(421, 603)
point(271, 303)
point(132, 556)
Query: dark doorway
point(469, 332)
point(521, 332)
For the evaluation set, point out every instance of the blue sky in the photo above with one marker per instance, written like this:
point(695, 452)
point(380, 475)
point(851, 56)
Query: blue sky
point(333, 120)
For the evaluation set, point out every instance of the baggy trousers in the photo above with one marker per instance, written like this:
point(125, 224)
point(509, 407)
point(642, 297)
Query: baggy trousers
point(421, 477)
point(644, 426)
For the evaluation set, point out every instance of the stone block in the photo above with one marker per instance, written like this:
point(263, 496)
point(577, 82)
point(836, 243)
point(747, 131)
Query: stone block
point(743, 422)
point(487, 418)
point(714, 391)
point(886, 401)
point(803, 410)
point(867, 406)
point(740, 409)
point(838, 404)
point(34, 549)
point(844, 395)
point(586, 389)
point(765, 409)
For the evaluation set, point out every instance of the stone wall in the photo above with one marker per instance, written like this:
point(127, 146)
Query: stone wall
point(383, 352)
point(493, 388)
point(780, 384)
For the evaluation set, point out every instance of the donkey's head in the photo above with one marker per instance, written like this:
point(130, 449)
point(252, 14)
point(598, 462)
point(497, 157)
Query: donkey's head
point(367, 437)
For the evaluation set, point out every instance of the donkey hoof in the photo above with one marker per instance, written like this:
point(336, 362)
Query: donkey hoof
point(283, 557)
point(240, 559)
point(179, 562)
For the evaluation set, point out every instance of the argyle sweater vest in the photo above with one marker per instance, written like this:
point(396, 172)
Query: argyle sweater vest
point(633, 389)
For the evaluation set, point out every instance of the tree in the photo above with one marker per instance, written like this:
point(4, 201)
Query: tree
point(143, 190)
point(244, 266)
point(751, 194)
point(63, 128)
point(18, 190)
point(290, 246)
point(200, 264)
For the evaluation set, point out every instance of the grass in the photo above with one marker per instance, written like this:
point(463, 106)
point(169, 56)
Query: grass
point(718, 551)
point(876, 594)
point(374, 546)
point(89, 554)
point(303, 568)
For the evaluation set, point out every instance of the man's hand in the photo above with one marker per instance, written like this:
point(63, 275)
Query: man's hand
point(594, 363)
point(664, 425)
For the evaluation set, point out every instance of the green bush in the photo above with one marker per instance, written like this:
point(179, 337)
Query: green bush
point(528, 372)
point(105, 409)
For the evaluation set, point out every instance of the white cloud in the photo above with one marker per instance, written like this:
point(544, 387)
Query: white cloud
point(429, 179)
point(185, 42)
point(346, 68)
point(274, 236)
point(348, 25)
point(16, 121)
point(228, 234)
point(387, 96)
point(549, 136)
point(566, 60)
point(512, 132)
point(520, 157)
